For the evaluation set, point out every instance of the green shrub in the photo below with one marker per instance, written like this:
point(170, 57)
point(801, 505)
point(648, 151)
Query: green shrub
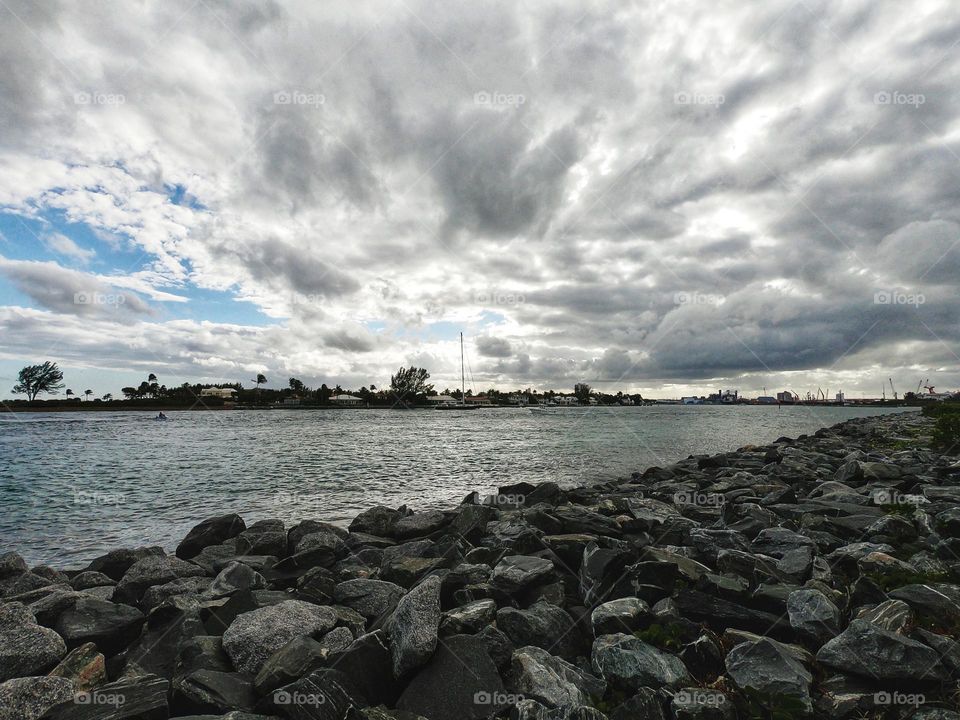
point(946, 433)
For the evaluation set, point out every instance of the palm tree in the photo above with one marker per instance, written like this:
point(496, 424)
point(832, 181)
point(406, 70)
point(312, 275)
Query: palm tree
point(261, 379)
point(108, 397)
point(69, 392)
point(88, 393)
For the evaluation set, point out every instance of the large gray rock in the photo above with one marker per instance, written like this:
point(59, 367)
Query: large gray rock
point(116, 562)
point(139, 697)
point(370, 598)
point(628, 663)
point(84, 666)
point(938, 602)
point(235, 576)
point(150, 571)
point(254, 636)
point(544, 625)
point(813, 615)
point(110, 626)
point(469, 618)
point(212, 531)
point(538, 675)
point(215, 691)
point(621, 615)
point(377, 521)
point(419, 524)
point(869, 651)
point(25, 647)
point(28, 698)
point(413, 627)
point(294, 660)
point(515, 572)
point(767, 669)
point(442, 690)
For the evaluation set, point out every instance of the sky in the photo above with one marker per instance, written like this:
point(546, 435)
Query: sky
point(657, 197)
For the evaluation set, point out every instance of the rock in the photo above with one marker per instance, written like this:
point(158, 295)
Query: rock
point(441, 690)
point(235, 576)
point(265, 537)
point(936, 602)
point(628, 663)
point(214, 691)
point(377, 521)
point(324, 694)
point(538, 675)
point(469, 618)
point(89, 579)
point(11, 565)
point(624, 615)
point(600, 569)
point(647, 703)
point(25, 647)
point(28, 698)
point(893, 615)
point(337, 640)
point(703, 657)
point(116, 562)
point(83, 666)
point(413, 627)
point(720, 614)
point(369, 663)
point(297, 658)
point(419, 524)
point(765, 668)
point(254, 636)
point(498, 645)
point(516, 572)
point(406, 571)
point(151, 570)
point(143, 697)
point(191, 587)
point(543, 625)
point(110, 626)
point(370, 598)
point(869, 651)
point(813, 615)
point(212, 531)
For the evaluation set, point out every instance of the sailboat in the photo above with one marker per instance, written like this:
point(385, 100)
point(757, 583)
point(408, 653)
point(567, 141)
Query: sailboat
point(462, 405)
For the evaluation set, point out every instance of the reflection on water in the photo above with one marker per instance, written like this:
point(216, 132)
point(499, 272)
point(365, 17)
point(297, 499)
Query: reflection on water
point(73, 485)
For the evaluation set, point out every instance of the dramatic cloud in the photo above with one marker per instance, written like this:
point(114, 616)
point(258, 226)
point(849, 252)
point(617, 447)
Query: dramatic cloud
point(657, 196)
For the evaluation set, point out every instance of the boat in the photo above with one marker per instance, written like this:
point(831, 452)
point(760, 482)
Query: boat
point(462, 405)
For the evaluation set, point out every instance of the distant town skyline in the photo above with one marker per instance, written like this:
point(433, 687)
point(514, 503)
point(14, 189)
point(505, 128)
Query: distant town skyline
point(665, 199)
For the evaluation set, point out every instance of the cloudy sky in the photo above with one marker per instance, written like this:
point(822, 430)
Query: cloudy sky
point(656, 196)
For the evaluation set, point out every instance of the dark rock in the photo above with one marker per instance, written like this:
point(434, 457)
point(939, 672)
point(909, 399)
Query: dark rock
point(498, 645)
point(110, 626)
point(647, 703)
point(83, 666)
point(413, 627)
point(377, 521)
point(212, 531)
point(25, 647)
point(628, 663)
point(406, 571)
point(936, 602)
point(893, 615)
point(213, 691)
point(419, 524)
point(469, 618)
point(370, 598)
point(702, 704)
point(624, 615)
point(89, 579)
point(542, 625)
point(369, 663)
point(720, 614)
point(152, 570)
point(516, 572)
point(191, 587)
point(703, 658)
point(600, 570)
point(813, 614)
point(538, 675)
point(134, 698)
point(116, 562)
point(297, 658)
point(441, 690)
point(766, 669)
point(28, 698)
point(869, 651)
point(470, 521)
point(254, 636)
point(235, 576)
point(266, 537)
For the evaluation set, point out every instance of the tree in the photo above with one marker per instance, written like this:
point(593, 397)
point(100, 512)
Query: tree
point(409, 385)
point(87, 393)
point(296, 385)
point(129, 392)
point(582, 391)
point(35, 379)
point(69, 392)
point(108, 397)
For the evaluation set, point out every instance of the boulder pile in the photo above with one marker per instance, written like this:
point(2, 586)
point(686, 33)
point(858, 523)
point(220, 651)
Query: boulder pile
point(811, 577)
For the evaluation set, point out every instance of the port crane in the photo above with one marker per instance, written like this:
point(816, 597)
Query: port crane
point(892, 388)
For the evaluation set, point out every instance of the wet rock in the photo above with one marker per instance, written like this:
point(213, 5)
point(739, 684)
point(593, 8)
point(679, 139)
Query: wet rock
point(516, 572)
point(628, 663)
point(543, 625)
point(235, 576)
point(413, 627)
point(765, 668)
point(143, 697)
point(370, 598)
point(623, 615)
point(377, 521)
point(703, 657)
point(297, 658)
point(212, 531)
point(720, 614)
point(369, 663)
point(28, 698)
point(893, 615)
point(813, 615)
point(152, 570)
point(647, 703)
point(869, 651)
point(25, 647)
point(89, 579)
point(116, 562)
point(83, 666)
point(192, 587)
point(419, 524)
point(538, 675)
point(406, 571)
point(254, 636)
point(469, 618)
point(498, 645)
point(110, 626)
point(441, 690)
point(936, 602)
point(266, 537)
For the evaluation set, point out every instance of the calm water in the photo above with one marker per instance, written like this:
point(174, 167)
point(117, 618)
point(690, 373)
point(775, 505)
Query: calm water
point(73, 485)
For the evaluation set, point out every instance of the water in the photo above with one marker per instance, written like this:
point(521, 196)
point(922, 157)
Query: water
point(74, 485)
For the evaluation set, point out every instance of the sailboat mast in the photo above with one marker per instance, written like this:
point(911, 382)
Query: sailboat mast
point(463, 389)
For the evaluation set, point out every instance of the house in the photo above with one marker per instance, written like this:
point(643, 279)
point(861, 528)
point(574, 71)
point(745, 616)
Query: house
point(442, 399)
point(291, 401)
point(787, 397)
point(566, 400)
point(346, 400)
point(481, 400)
point(222, 393)
point(518, 399)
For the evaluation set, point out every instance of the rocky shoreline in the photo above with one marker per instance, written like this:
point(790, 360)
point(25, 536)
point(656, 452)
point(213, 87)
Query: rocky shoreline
point(815, 577)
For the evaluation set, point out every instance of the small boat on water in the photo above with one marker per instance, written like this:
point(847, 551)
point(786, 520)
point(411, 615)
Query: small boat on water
point(462, 405)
